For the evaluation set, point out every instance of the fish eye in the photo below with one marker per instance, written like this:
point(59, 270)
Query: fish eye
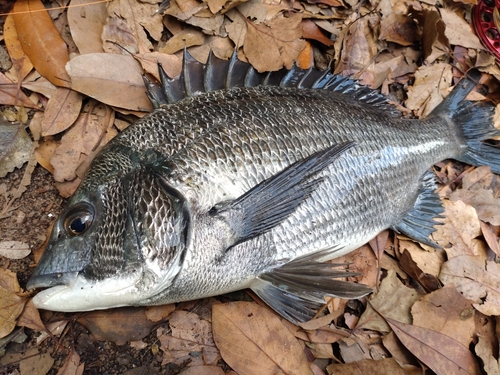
point(79, 219)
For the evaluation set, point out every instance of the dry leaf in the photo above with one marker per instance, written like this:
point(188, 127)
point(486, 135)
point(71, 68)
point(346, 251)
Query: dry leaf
point(458, 233)
point(187, 38)
point(11, 307)
point(203, 370)
point(486, 204)
point(118, 325)
point(459, 31)
point(109, 78)
point(253, 340)
point(393, 300)
point(157, 313)
point(86, 21)
point(477, 279)
point(439, 352)
point(400, 29)
point(362, 261)
point(311, 31)
point(446, 311)
point(72, 364)
point(41, 86)
point(209, 25)
point(236, 30)
point(190, 335)
point(261, 11)
point(118, 37)
point(11, 95)
point(485, 350)
point(30, 318)
point(15, 147)
point(81, 140)
point(35, 363)
point(21, 61)
point(431, 82)
point(274, 44)
point(171, 64)
point(398, 351)
point(367, 366)
point(61, 112)
point(14, 249)
point(428, 281)
point(41, 41)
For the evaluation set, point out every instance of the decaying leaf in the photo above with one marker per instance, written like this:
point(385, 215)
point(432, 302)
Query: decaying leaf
point(41, 41)
point(86, 22)
point(485, 350)
point(21, 61)
point(11, 305)
point(190, 336)
point(11, 95)
point(14, 249)
point(271, 45)
point(15, 147)
point(477, 279)
point(118, 325)
point(62, 111)
point(30, 318)
point(455, 26)
point(446, 311)
point(460, 229)
point(109, 78)
point(35, 363)
point(367, 366)
point(400, 29)
point(253, 340)
point(393, 300)
point(72, 365)
point(439, 352)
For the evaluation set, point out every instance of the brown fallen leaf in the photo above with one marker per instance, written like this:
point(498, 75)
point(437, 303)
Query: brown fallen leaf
point(486, 204)
point(190, 335)
point(393, 300)
point(41, 86)
point(477, 279)
point(41, 41)
point(72, 365)
point(398, 351)
point(485, 350)
point(11, 305)
point(490, 236)
point(253, 340)
point(110, 78)
point(157, 313)
point(86, 21)
point(203, 370)
point(21, 61)
point(11, 95)
point(35, 363)
point(118, 325)
point(171, 64)
point(399, 28)
point(311, 31)
point(431, 85)
point(362, 261)
point(446, 311)
point(460, 229)
point(458, 30)
point(14, 249)
point(15, 147)
point(271, 45)
point(367, 366)
point(428, 281)
point(61, 112)
point(30, 318)
point(186, 38)
point(440, 353)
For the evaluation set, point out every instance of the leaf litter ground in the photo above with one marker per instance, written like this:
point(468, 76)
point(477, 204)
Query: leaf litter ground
point(431, 312)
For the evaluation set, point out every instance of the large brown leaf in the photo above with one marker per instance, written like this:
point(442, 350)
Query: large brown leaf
point(62, 111)
point(253, 340)
point(21, 61)
point(439, 352)
point(86, 23)
point(41, 41)
point(109, 78)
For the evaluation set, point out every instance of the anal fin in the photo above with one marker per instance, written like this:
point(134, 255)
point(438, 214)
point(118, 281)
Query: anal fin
point(296, 289)
point(419, 222)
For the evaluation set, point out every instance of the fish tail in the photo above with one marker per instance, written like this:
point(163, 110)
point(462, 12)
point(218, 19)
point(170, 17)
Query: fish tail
point(473, 122)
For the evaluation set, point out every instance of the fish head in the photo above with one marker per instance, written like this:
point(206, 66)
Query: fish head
point(120, 240)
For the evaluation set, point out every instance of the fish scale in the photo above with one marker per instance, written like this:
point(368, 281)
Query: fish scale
point(223, 188)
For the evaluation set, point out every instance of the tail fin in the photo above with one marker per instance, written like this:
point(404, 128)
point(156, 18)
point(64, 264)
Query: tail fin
point(475, 123)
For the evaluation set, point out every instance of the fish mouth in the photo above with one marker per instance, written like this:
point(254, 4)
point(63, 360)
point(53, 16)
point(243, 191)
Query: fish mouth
point(51, 280)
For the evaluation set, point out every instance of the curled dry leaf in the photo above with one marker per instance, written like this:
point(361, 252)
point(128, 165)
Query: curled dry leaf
point(30, 318)
point(86, 21)
point(15, 147)
point(110, 78)
point(477, 279)
point(21, 61)
point(440, 353)
point(460, 229)
point(41, 41)
point(186, 38)
point(393, 300)
point(62, 111)
point(455, 26)
point(399, 28)
point(72, 365)
point(311, 31)
point(253, 340)
point(274, 44)
point(485, 350)
point(14, 249)
point(446, 311)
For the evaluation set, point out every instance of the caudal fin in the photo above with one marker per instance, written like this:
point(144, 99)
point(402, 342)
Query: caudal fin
point(474, 121)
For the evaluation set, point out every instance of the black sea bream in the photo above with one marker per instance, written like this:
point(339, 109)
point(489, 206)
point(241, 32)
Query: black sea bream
point(243, 180)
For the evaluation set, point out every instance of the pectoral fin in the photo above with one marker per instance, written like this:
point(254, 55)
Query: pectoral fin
point(420, 221)
point(273, 200)
point(296, 290)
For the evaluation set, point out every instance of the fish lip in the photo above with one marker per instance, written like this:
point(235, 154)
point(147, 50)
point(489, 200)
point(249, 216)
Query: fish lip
point(51, 280)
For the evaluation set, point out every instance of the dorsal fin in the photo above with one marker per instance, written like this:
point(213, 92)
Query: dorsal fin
point(217, 74)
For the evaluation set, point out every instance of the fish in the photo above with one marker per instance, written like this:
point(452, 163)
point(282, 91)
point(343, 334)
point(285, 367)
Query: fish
point(240, 179)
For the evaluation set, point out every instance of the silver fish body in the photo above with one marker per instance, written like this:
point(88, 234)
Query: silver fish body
point(161, 224)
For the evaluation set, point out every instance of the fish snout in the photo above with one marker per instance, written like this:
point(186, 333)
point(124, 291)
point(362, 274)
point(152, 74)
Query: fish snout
point(50, 280)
